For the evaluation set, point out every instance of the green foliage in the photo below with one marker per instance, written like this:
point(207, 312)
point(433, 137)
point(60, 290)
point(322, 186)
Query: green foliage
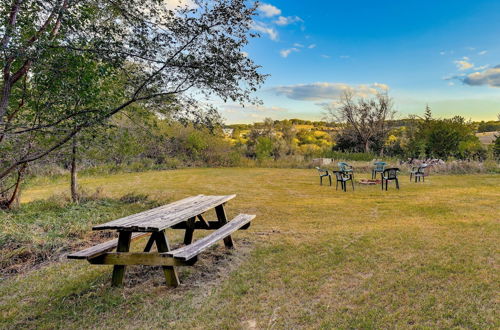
point(445, 138)
point(489, 126)
point(263, 148)
point(69, 66)
point(496, 147)
point(350, 156)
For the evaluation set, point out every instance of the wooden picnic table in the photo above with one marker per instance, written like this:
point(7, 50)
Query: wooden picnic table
point(184, 214)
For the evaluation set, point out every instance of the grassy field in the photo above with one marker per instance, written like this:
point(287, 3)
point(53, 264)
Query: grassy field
point(422, 257)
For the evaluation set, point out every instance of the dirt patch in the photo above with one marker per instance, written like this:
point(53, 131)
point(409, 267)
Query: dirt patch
point(211, 268)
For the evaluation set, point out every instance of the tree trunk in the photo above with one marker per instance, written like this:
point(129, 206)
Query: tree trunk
point(74, 177)
point(14, 199)
point(4, 98)
point(367, 146)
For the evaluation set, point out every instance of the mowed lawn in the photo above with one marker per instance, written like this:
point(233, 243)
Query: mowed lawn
point(425, 256)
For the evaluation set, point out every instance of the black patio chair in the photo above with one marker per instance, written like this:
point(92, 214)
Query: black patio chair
point(390, 174)
point(343, 177)
point(418, 172)
point(322, 173)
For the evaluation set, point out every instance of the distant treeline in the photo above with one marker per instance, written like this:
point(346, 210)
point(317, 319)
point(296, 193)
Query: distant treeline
point(481, 126)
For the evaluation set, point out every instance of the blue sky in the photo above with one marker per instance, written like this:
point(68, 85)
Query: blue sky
point(442, 53)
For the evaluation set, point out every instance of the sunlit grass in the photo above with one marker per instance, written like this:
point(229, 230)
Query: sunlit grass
point(424, 256)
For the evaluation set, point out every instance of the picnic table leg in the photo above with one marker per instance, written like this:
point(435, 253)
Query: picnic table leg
point(221, 216)
point(150, 243)
point(123, 246)
point(188, 236)
point(170, 272)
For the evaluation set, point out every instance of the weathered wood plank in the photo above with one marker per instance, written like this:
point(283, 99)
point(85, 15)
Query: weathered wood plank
point(171, 276)
point(150, 243)
point(203, 221)
point(138, 258)
point(124, 238)
point(188, 236)
point(221, 216)
point(192, 250)
point(165, 216)
point(212, 225)
point(102, 248)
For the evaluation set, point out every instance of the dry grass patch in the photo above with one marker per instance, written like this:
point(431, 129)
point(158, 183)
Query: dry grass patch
point(425, 256)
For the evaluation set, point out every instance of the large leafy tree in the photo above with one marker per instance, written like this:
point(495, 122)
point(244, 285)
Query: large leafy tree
point(444, 138)
point(68, 65)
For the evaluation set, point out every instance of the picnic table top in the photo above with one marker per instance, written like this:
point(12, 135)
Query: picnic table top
point(166, 216)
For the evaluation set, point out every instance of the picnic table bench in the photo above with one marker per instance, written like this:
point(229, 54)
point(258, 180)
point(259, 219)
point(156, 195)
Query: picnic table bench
point(185, 214)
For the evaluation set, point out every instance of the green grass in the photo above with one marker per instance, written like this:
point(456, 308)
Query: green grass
point(422, 257)
point(42, 229)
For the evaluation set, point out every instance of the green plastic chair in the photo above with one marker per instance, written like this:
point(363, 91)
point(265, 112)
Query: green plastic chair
point(379, 168)
point(322, 173)
point(346, 168)
point(418, 172)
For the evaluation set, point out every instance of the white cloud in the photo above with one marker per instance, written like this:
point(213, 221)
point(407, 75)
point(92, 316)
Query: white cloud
point(311, 46)
point(282, 20)
point(482, 52)
point(383, 87)
point(489, 77)
point(325, 56)
point(263, 28)
point(322, 91)
point(268, 10)
point(464, 64)
point(285, 52)
point(482, 67)
point(298, 45)
point(344, 56)
point(442, 53)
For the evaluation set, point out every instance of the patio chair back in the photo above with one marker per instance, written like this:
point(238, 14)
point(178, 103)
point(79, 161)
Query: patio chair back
point(343, 166)
point(380, 166)
point(391, 173)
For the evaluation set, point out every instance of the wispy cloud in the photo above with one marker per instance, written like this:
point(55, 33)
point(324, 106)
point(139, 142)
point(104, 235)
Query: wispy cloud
point(234, 108)
point(344, 56)
point(311, 46)
point(450, 52)
point(285, 52)
point(323, 91)
point(265, 29)
point(287, 20)
point(489, 77)
point(482, 52)
point(268, 10)
point(325, 56)
point(298, 45)
point(464, 64)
